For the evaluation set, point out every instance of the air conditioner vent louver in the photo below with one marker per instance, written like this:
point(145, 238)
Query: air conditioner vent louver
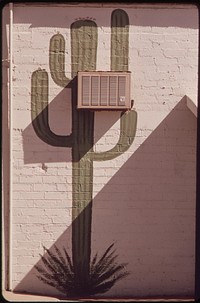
point(104, 90)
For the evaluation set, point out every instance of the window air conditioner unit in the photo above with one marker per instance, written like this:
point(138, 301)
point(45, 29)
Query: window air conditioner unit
point(104, 90)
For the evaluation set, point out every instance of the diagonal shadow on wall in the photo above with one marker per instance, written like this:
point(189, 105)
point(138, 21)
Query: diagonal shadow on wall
point(148, 209)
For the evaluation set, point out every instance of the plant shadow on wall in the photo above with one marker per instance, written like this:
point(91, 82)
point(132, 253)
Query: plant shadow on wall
point(58, 271)
point(148, 209)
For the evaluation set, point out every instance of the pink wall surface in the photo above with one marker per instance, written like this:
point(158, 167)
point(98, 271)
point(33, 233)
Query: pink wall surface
point(144, 200)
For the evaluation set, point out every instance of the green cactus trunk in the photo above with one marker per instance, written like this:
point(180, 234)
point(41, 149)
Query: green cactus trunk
point(82, 188)
point(84, 48)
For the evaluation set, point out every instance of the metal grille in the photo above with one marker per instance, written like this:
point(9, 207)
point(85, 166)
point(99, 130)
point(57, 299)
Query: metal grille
point(104, 90)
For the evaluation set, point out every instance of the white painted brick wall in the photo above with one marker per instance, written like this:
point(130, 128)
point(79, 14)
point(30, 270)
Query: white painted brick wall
point(144, 200)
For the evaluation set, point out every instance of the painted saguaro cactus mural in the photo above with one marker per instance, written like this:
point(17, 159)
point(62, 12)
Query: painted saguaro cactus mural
point(84, 38)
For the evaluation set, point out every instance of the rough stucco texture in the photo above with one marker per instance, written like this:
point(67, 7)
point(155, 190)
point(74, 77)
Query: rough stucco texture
point(144, 200)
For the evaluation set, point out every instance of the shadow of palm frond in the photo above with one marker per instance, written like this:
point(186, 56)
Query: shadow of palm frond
point(57, 271)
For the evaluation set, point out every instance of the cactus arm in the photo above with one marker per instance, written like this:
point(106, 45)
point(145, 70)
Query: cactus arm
point(128, 122)
point(57, 60)
point(119, 62)
point(119, 40)
point(39, 111)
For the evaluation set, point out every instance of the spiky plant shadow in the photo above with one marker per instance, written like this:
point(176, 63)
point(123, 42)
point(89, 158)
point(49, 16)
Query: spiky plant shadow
point(57, 271)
